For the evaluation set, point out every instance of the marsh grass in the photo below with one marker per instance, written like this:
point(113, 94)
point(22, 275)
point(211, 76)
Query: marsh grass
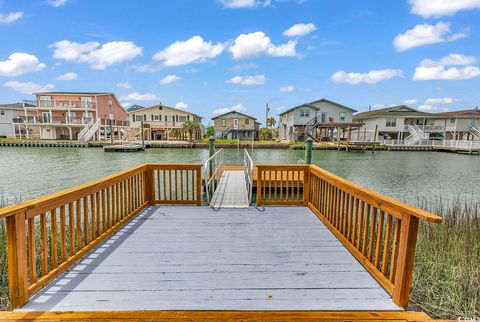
point(446, 281)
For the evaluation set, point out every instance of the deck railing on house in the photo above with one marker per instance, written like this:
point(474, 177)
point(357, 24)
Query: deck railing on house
point(47, 235)
point(379, 231)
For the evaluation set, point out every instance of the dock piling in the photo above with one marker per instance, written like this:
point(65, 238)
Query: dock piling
point(308, 150)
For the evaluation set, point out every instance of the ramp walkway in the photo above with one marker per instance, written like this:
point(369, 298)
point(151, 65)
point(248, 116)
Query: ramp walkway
point(231, 188)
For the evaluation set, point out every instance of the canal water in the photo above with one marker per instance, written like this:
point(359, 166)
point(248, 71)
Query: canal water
point(408, 176)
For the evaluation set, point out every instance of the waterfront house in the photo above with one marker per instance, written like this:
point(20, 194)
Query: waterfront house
point(11, 118)
point(462, 124)
point(319, 119)
point(235, 125)
point(162, 122)
point(74, 115)
point(402, 122)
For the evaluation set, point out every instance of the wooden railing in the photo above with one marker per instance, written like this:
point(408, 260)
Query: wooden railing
point(379, 231)
point(47, 235)
point(282, 184)
point(176, 184)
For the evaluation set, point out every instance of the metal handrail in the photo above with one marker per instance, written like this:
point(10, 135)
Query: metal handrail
point(212, 167)
point(248, 171)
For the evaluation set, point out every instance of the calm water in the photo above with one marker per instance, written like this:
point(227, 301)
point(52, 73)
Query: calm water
point(31, 172)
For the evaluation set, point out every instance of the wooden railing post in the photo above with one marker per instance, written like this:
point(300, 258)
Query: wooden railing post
point(199, 185)
point(306, 185)
point(149, 182)
point(17, 259)
point(259, 186)
point(406, 257)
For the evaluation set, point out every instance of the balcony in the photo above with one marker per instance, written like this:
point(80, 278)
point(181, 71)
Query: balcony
point(61, 105)
point(54, 121)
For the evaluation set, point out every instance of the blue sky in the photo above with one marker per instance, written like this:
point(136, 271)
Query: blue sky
point(213, 55)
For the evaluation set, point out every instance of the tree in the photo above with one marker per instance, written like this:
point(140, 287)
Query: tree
point(271, 121)
point(268, 134)
point(210, 131)
point(191, 127)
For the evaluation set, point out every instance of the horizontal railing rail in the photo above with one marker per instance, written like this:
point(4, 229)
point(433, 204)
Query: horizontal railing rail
point(49, 234)
point(379, 231)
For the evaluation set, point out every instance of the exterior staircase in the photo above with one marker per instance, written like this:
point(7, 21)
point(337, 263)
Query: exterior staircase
point(416, 134)
point(311, 129)
point(227, 132)
point(89, 131)
point(132, 134)
point(475, 130)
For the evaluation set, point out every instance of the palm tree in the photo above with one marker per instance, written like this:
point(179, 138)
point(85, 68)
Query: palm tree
point(271, 121)
point(191, 127)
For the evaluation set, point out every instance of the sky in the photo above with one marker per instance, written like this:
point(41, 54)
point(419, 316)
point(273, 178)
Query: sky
point(212, 56)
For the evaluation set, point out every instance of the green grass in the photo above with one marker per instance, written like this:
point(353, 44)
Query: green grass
point(446, 281)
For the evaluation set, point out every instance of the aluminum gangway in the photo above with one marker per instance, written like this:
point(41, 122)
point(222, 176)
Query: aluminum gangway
point(228, 188)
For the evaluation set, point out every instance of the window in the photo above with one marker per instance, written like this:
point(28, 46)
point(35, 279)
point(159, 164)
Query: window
point(2, 112)
point(86, 102)
point(247, 121)
point(182, 118)
point(452, 120)
point(391, 122)
point(224, 123)
point(45, 101)
point(110, 103)
point(304, 113)
point(343, 116)
point(138, 118)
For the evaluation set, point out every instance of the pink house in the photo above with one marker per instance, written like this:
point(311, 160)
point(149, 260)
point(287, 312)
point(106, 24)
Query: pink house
point(73, 115)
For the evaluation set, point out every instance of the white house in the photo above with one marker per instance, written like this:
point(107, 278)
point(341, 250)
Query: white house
point(322, 113)
point(401, 122)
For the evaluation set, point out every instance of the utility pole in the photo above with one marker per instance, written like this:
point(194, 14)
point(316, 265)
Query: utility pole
point(267, 110)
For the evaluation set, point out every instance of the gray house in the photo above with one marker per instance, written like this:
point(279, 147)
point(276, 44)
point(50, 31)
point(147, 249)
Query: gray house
point(318, 119)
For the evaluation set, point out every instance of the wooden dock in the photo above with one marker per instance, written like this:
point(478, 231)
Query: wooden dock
point(124, 148)
point(141, 240)
point(189, 258)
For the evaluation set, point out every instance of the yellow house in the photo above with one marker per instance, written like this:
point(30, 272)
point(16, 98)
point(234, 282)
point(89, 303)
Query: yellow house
point(162, 122)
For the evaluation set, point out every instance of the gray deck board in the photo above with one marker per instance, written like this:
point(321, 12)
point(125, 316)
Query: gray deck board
point(195, 258)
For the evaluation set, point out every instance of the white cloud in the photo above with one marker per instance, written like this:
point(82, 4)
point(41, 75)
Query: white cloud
point(248, 80)
point(192, 50)
point(238, 108)
point(426, 107)
point(137, 97)
point(371, 77)
point(56, 3)
point(450, 60)
point(425, 34)
point(98, 57)
point(235, 4)
point(124, 85)
point(299, 29)
point(438, 8)
point(28, 87)
point(442, 69)
point(441, 100)
point(169, 79)
point(287, 89)
point(19, 64)
point(410, 101)
point(10, 17)
point(181, 105)
point(257, 44)
point(68, 76)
